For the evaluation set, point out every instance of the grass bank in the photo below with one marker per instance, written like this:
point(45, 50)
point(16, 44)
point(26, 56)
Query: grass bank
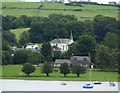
point(13, 72)
point(18, 32)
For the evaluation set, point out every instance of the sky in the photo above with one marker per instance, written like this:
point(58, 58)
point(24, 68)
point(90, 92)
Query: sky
point(98, 1)
point(104, 1)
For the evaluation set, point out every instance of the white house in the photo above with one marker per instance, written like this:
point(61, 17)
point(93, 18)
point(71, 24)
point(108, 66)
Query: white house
point(62, 43)
point(33, 48)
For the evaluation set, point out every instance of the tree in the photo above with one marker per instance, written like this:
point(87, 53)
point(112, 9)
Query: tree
point(72, 49)
point(47, 68)
point(63, 18)
point(35, 58)
point(103, 57)
point(56, 55)
point(8, 38)
point(6, 58)
point(21, 56)
point(78, 28)
point(28, 68)
point(111, 40)
point(24, 38)
point(104, 24)
point(7, 22)
point(46, 50)
point(86, 45)
point(21, 21)
point(64, 69)
point(78, 69)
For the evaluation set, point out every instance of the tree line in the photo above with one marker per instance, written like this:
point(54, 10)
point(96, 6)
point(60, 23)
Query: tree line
point(47, 68)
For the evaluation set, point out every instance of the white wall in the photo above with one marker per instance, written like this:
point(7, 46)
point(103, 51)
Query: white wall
point(63, 47)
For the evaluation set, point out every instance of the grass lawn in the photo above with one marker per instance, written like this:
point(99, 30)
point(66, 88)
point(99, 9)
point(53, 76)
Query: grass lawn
point(12, 72)
point(18, 32)
point(88, 11)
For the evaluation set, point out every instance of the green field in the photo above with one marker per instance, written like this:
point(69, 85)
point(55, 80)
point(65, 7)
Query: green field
point(88, 11)
point(18, 32)
point(12, 72)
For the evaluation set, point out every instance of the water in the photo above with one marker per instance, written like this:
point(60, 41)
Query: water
point(35, 85)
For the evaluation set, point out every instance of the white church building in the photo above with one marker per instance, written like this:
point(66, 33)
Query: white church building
point(62, 44)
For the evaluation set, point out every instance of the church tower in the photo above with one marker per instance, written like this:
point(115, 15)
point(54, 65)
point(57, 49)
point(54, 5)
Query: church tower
point(71, 37)
point(89, 1)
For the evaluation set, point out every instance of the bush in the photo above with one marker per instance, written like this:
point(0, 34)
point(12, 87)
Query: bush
point(77, 10)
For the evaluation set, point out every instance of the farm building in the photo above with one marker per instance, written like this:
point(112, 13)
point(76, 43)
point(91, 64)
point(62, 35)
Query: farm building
point(58, 62)
point(82, 60)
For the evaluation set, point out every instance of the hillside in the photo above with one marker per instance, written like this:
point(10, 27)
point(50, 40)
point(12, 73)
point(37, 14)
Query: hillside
point(83, 12)
point(18, 32)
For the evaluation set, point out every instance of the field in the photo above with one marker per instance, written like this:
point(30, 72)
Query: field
point(18, 32)
point(13, 71)
point(30, 9)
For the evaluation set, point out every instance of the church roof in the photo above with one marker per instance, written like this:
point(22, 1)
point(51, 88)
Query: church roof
point(62, 40)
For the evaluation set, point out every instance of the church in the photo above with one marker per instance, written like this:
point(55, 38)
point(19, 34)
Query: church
point(62, 44)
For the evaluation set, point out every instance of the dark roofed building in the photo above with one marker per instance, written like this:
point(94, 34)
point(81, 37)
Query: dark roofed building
point(58, 62)
point(82, 60)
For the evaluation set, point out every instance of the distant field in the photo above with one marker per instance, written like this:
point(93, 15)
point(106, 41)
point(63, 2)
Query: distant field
point(18, 32)
point(12, 72)
point(88, 11)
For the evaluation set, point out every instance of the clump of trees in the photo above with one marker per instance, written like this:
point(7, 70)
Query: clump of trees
point(107, 53)
point(23, 56)
point(85, 45)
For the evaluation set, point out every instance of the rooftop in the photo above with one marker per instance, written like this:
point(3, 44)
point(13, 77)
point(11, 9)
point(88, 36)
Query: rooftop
point(61, 40)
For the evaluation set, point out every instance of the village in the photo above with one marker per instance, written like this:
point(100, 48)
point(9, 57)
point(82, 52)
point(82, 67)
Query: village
point(60, 45)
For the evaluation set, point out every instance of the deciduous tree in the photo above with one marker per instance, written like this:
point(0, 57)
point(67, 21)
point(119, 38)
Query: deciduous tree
point(28, 68)
point(78, 69)
point(64, 69)
point(47, 68)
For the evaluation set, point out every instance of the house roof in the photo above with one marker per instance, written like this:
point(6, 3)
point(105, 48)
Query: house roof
point(60, 61)
point(80, 57)
point(61, 40)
